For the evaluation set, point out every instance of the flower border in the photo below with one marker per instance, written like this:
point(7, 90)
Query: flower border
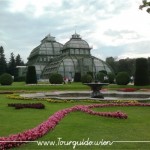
point(52, 121)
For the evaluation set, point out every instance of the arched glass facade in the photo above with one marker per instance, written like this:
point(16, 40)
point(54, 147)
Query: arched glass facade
point(69, 65)
point(75, 58)
point(42, 54)
point(72, 57)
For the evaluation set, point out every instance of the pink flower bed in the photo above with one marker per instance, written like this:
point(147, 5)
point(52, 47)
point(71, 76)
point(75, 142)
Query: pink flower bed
point(127, 89)
point(48, 125)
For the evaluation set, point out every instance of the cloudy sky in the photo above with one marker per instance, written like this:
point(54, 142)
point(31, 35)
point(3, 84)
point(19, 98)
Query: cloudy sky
point(112, 27)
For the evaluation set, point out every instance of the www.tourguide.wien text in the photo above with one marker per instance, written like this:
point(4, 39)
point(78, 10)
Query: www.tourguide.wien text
point(73, 143)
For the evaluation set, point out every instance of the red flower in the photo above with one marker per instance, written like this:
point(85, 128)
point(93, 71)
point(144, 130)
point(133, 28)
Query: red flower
point(53, 120)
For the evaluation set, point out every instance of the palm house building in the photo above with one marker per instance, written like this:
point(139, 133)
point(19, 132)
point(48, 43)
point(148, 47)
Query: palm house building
point(68, 59)
point(42, 54)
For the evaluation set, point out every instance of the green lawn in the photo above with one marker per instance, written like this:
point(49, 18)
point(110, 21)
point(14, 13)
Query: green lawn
point(78, 125)
point(18, 86)
point(21, 86)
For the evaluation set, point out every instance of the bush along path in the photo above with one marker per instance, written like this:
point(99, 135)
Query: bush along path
point(29, 105)
point(48, 125)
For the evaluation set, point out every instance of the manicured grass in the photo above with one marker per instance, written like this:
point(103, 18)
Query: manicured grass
point(21, 86)
point(18, 86)
point(115, 87)
point(78, 125)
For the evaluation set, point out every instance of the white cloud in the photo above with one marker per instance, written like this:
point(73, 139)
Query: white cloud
point(113, 28)
point(34, 7)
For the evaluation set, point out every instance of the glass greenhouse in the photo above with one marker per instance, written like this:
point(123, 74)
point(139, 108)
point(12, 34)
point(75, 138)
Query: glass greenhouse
point(74, 57)
point(42, 54)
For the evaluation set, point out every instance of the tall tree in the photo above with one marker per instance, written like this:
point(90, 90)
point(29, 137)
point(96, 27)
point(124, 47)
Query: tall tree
point(12, 65)
point(149, 68)
point(122, 65)
point(145, 4)
point(112, 63)
point(126, 65)
point(19, 61)
point(141, 72)
point(3, 64)
point(31, 77)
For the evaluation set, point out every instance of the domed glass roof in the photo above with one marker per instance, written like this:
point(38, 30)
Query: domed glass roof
point(42, 54)
point(48, 46)
point(76, 42)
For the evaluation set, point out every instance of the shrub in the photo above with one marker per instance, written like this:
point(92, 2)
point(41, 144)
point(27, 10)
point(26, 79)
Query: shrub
point(111, 77)
point(55, 78)
point(86, 78)
point(141, 72)
point(31, 75)
point(90, 73)
point(6, 79)
point(122, 78)
point(29, 105)
point(103, 71)
point(77, 77)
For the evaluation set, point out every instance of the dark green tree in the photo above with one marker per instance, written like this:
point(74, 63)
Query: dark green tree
point(6, 79)
point(31, 75)
point(122, 78)
point(55, 78)
point(87, 78)
point(145, 4)
point(112, 63)
point(3, 64)
point(141, 72)
point(12, 65)
point(122, 65)
point(126, 65)
point(149, 66)
point(111, 77)
point(19, 61)
point(77, 77)
point(100, 76)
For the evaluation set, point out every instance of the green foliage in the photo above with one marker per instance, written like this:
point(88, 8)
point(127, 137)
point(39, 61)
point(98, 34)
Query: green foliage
point(103, 71)
point(12, 65)
point(141, 72)
point(77, 77)
point(6, 79)
point(149, 68)
point(145, 4)
point(126, 65)
point(55, 78)
point(31, 75)
point(112, 63)
point(19, 61)
point(100, 76)
point(86, 78)
point(122, 78)
point(3, 64)
point(90, 73)
point(122, 65)
point(111, 77)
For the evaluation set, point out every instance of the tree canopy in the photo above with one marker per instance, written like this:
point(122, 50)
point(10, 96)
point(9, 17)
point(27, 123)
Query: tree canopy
point(145, 4)
point(3, 64)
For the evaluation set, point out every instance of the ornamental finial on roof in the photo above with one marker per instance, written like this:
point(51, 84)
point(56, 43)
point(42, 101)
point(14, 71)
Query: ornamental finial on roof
point(75, 29)
point(49, 35)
